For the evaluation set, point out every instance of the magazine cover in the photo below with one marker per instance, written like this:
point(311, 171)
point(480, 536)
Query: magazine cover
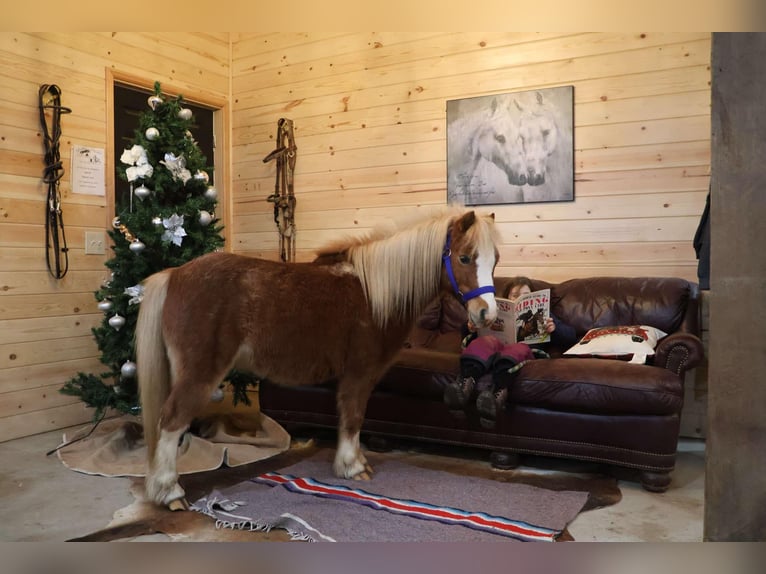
point(522, 320)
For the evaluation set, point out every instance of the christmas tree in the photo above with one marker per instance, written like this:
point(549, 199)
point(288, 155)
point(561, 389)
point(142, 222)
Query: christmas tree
point(168, 219)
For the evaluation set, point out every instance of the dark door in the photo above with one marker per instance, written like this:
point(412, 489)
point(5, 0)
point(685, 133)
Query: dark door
point(129, 104)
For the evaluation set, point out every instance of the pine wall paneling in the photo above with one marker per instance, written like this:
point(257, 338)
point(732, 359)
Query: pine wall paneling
point(45, 324)
point(370, 114)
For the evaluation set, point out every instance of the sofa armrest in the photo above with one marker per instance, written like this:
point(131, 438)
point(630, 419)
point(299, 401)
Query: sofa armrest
point(679, 352)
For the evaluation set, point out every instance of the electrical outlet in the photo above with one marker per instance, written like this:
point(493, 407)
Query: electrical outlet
point(95, 243)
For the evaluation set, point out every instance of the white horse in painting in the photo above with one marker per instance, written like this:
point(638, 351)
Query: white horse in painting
point(539, 135)
point(490, 134)
point(502, 152)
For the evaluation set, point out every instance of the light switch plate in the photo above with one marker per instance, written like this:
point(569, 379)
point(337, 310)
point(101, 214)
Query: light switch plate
point(95, 243)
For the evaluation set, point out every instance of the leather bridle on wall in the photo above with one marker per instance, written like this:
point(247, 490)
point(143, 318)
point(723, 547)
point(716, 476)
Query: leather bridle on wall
point(55, 240)
point(283, 197)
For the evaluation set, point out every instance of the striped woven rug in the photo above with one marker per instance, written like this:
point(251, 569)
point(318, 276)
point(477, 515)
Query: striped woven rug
point(402, 503)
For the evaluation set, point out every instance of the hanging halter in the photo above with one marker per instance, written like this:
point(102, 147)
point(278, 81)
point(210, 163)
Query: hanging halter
point(283, 197)
point(473, 293)
point(52, 174)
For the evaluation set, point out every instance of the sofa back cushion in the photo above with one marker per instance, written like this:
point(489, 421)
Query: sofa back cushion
point(667, 303)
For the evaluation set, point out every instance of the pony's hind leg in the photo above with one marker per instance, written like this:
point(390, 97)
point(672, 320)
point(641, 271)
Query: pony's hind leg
point(352, 399)
point(161, 482)
point(185, 402)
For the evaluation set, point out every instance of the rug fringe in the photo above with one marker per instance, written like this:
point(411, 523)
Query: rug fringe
point(262, 527)
point(205, 506)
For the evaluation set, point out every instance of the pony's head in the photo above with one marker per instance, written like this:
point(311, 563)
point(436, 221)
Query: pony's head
point(469, 260)
point(402, 269)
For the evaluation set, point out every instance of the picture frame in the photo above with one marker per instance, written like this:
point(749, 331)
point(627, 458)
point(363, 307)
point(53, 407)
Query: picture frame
point(516, 147)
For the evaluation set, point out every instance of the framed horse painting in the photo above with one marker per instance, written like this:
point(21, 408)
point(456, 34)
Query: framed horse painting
point(511, 148)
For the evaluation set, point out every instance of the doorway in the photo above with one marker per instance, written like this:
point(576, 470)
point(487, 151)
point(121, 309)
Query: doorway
point(211, 115)
point(129, 103)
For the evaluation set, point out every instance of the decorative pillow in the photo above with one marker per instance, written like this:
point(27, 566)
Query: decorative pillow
point(631, 343)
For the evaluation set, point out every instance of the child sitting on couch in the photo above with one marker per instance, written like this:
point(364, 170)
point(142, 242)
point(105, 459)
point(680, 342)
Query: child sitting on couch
point(488, 354)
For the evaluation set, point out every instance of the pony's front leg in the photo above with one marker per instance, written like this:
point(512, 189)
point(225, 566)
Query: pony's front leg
point(349, 460)
point(352, 399)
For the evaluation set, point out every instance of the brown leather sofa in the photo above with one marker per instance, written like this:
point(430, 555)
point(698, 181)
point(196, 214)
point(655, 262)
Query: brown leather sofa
point(594, 409)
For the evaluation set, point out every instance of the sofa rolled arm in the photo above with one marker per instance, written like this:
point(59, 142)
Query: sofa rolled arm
point(679, 352)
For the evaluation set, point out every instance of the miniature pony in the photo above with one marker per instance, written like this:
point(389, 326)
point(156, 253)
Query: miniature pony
point(343, 317)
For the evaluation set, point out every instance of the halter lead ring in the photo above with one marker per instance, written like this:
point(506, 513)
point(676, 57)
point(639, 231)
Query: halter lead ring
point(473, 293)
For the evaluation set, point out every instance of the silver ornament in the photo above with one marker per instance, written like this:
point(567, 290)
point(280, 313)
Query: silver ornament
point(211, 193)
point(137, 246)
point(157, 220)
point(152, 133)
point(202, 176)
point(205, 218)
point(184, 114)
point(105, 305)
point(142, 192)
point(117, 322)
point(154, 101)
point(128, 369)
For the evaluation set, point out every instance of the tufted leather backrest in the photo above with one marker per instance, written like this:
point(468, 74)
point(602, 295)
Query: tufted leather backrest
point(668, 303)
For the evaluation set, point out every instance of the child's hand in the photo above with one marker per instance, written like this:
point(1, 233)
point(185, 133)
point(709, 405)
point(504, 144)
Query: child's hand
point(550, 326)
point(471, 326)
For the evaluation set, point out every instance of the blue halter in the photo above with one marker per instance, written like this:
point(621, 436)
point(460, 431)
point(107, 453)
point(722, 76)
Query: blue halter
point(473, 293)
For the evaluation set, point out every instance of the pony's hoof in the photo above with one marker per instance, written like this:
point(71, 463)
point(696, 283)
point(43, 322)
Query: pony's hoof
point(365, 474)
point(178, 504)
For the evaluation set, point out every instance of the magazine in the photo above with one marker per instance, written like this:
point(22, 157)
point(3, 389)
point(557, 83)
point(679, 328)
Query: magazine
point(522, 320)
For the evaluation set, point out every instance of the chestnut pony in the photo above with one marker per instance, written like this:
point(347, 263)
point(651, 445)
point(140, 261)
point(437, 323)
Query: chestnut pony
point(343, 316)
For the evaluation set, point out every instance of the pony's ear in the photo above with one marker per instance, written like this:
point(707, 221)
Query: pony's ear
point(466, 221)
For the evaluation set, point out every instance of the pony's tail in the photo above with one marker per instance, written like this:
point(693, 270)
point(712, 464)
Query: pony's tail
point(151, 357)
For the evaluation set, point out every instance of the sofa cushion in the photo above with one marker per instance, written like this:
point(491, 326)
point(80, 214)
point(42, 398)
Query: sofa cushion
point(415, 382)
point(604, 301)
point(597, 386)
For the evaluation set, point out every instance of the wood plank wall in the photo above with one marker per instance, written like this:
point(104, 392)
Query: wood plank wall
point(370, 115)
point(369, 110)
point(45, 324)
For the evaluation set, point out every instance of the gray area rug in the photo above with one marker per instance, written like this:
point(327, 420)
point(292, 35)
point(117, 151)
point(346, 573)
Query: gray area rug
point(402, 503)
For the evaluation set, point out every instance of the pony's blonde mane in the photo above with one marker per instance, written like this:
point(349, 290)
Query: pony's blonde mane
point(400, 270)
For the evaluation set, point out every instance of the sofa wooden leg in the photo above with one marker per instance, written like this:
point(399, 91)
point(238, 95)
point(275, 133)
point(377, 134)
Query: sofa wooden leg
point(504, 460)
point(655, 481)
point(379, 444)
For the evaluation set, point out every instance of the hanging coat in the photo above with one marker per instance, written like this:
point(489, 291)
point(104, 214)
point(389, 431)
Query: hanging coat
point(702, 246)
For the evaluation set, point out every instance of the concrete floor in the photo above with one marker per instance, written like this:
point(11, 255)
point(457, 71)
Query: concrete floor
point(42, 500)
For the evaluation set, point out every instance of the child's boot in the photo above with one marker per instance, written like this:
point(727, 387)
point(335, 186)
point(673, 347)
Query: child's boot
point(474, 362)
point(508, 361)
